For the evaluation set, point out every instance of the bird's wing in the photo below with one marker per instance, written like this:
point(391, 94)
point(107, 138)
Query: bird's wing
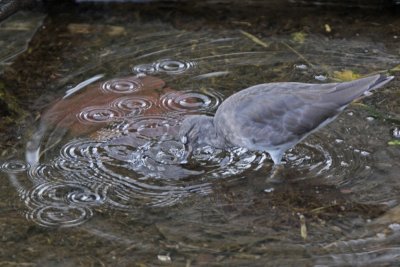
point(265, 120)
point(277, 114)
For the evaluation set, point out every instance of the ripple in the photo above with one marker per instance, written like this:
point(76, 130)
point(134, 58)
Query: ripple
point(191, 100)
point(143, 165)
point(14, 166)
point(168, 152)
point(326, 154)
point(170, 66)
point(219, 163)
point(144, 69)
point(151, 192)
point(44, 172)
point(150, 127)
point(78, 158)
point(64, 193)
point(135, 105)
point(91, 115)
point(310, 157)
point(122, 85)
point(80, 150)
point(59, 216)
point(62, 204)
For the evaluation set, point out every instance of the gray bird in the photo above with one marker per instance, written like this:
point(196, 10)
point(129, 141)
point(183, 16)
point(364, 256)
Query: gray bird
point(273, 117)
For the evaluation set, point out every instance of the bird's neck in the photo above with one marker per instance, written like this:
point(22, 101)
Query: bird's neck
point(210, 135)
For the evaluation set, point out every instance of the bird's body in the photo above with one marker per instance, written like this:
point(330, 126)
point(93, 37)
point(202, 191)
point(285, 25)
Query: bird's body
point(274, 117)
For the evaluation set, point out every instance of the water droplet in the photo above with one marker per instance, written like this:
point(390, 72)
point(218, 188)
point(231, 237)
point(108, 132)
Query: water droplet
point(122, 86)
point(14, 166)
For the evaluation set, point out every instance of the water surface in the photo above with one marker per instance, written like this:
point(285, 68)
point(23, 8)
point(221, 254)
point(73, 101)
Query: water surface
point(98, 176)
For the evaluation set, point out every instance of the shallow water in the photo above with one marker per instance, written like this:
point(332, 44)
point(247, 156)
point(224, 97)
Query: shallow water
point(96, 175)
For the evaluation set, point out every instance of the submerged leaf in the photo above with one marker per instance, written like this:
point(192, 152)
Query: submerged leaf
point(299, 37)
point(394, 143)
point(397, 68)
point(345, 75)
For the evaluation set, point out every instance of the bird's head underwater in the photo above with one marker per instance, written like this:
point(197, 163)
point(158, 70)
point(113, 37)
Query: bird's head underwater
point(199, 130)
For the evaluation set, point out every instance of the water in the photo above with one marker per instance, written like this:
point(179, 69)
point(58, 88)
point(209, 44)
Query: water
point(100, 178)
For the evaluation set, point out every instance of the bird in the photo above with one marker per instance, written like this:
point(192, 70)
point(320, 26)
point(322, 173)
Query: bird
point(274, 117)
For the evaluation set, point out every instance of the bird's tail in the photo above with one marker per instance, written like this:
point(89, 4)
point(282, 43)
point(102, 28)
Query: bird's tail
point(380, 81)
point(349, 91)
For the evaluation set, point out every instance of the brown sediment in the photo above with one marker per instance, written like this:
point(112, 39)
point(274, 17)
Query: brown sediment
point(63, 114)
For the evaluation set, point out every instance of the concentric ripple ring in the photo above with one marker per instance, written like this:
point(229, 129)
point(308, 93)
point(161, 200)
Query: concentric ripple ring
point(122, 86)
point(94, 114)
point(191, 101)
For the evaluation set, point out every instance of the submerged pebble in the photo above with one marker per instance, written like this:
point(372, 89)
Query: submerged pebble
point(396, 132)
point(320, 78)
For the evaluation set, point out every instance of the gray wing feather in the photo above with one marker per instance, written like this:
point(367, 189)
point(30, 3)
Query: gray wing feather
point(274, 114)
point(275, 117)
point(284, 120)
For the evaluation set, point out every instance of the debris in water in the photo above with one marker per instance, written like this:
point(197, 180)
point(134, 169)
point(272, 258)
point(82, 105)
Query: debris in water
point(164, 258)
point(299, 37)
point(328, 28)
point(254, 38)
point(394, 143)
point(320, 77)
point(303, 226)
point(345, 75)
